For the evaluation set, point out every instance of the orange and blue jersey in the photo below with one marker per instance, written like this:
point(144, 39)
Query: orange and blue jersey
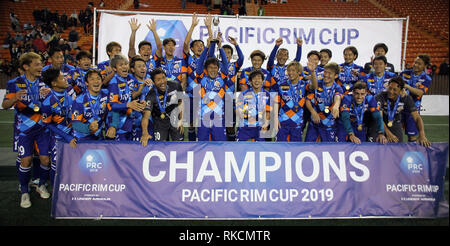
point(269, 82)
point(86, 109)
point(421, 81)
point(347, 79)
point(191, 63)
point(102, 66)
point(134, 86)
point(377, 84)
point(150, 64)
point(349, 105)
point(234, 67)
point(292, 98)
point(318, 70)
point(120, 94)
point(322, 100)
point(212, 90)
point(254, 107)
point(174, 67)
point(57, 113)
point(78, 83)
point(278, 72)
point(28, 121)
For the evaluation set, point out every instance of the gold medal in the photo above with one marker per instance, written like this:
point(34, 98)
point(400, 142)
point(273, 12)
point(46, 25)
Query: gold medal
point(327, 110)
point(389, 123)
point(36, 108)
point(347, 87)
point(360, 127)
point(163, 116)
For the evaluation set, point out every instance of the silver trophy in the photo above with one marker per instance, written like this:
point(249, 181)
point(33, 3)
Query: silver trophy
point(215, 28)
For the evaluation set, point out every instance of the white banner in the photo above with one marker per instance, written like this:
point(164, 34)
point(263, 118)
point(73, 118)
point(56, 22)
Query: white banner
point(260, 33)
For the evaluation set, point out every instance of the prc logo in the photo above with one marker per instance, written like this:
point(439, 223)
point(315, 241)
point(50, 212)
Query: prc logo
point(414, 163)
point(93, 161)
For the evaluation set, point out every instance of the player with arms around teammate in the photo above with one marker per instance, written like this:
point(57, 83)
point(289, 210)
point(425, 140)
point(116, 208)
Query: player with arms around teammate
point(356, 110)
point(57, 112)
point(392, 104)
point(27, 95)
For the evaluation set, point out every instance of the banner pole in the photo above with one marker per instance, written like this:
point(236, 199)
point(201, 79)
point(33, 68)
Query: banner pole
point(404, 43)
point(94, 33)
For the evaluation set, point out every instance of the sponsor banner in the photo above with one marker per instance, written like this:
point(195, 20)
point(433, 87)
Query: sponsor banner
point(261, 32)
point(249, 180)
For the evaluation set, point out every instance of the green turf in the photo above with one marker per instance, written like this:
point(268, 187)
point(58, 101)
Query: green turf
point(436, 128)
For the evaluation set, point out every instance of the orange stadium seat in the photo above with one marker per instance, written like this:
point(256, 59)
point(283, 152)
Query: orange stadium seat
point(428, 31)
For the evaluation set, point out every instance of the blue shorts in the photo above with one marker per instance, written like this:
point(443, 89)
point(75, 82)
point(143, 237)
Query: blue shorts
point(320, 134)
point(295, 134)
point(246, 133)
point(211, 133)
point(26, 142)
point(409, 124)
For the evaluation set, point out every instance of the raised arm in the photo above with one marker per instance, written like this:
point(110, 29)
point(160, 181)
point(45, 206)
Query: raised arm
point(134, 27)
point(187, 39)
point(152, 26)
point(298, 55)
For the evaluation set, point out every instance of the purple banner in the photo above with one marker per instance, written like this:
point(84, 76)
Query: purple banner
point(249, 180)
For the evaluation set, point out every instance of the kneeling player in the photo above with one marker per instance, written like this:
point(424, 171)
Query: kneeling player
point(165, 106)
point(354, 108)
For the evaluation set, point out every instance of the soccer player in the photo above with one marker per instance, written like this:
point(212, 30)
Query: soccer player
point(323, 103)
point(325, 57)
point(314, 58)
point(56, 58)
point(417, 83)
point(292, 97)
point(278, 71)
point(350, 72)
point(166, 108)
point(112, 49)
point(144, 47)
point(378, 79)
point(253, 108)
point(197, 47)
point(76, 76)
point(379, 49)
point(356, 111)
point(57, 112)
point(393, 103)
point(140, 86)
point(257, 58)
point(214, 84)
point(27, 95)
point(89, 109)
point(174, 67)
point(120, 101)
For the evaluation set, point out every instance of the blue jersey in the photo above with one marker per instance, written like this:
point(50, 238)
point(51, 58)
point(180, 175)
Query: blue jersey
point(174, 67)
point(191, 63)
point(279, 72)
point(150, 64)
point(322, 100)
point(377, 84)
point(119, 89)
point(346, 77)
point(349, 105)
point(66, 69)
point(254, 107)
point(28, 120)
point(77, 80)
point(57, 112)
point(421, 81)
point(134, 86)
point(102, 66)
point(318, 70)
point(86, 109)
point(269, 82)
point(292, 98)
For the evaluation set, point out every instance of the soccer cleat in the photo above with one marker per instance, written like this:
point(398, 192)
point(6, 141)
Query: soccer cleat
point(43, 192)
point(25, 200)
